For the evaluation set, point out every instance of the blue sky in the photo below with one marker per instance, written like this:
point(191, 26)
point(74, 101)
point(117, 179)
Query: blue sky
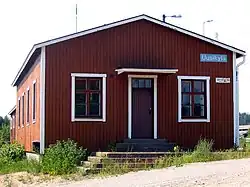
point(26, 22)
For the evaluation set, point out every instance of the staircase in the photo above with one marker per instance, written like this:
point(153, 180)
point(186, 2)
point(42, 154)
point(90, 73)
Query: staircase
point(133, 160)
point(145, 145)
point(131, 153)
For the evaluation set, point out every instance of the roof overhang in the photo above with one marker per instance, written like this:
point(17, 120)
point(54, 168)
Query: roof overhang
point(12, 110)
point(142, 70)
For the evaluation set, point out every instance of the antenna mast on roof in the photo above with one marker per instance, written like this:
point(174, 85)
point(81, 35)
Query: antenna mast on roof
point(76, 17)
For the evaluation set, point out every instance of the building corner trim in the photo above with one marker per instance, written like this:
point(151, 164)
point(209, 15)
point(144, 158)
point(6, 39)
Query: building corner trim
point(42, 100)
point(235, 103)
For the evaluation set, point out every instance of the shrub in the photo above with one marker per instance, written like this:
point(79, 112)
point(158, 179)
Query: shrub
point(12, 152)
point(62, 158)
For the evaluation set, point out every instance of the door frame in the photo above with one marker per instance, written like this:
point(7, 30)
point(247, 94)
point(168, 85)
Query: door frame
point(130, 102)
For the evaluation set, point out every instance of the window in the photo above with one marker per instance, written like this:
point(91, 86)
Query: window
point(88, 97)
point(22, 109)
point(193, 99)
point(141, 83)
point(28, 106)
point(34, 103)
point(19, 112)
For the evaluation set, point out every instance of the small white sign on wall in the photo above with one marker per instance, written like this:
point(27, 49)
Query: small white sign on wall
point(222, 80)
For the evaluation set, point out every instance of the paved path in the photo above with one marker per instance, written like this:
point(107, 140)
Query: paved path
point(230, 173)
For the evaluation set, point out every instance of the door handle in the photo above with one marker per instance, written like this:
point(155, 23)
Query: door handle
point(150, 110)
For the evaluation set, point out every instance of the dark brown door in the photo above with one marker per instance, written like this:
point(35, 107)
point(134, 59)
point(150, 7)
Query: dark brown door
point(142, 108)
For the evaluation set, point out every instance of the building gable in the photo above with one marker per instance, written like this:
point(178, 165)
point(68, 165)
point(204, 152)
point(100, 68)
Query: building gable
point(38, 46)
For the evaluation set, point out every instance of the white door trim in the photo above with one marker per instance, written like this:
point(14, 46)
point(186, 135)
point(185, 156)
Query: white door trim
point(130, 102)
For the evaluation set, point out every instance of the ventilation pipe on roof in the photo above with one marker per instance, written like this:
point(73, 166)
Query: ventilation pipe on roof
point(163, 17)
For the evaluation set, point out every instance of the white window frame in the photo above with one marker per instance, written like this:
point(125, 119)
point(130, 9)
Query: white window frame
point(207, 79)
point(23, 109)
point(13, 121)
point(33, 98)
point(87, 75)
point(19, 113)
point(27, 107)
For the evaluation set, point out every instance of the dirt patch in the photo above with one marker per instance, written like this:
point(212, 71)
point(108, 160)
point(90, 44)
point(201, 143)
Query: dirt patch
point(23, 179)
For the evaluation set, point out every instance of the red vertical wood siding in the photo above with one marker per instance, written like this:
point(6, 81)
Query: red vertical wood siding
point(28, 132)
point(141, 44)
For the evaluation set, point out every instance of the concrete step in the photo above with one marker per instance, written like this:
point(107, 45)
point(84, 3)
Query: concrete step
point(145, 144)
point(145, 141)
point(147, 147)
point(132, 154)
point(144, 149)
point(120, 161)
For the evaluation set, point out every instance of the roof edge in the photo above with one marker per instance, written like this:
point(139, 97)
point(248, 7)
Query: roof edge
point(118, 23)
point(12, 110)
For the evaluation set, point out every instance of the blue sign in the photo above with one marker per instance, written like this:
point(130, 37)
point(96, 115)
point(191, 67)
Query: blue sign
point(213, 58)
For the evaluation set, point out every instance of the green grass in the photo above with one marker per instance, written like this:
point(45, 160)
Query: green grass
point(19, 166)
point(202, 153)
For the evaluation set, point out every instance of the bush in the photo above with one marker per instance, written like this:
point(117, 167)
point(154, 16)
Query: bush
point(12, 152)
point(62, 158)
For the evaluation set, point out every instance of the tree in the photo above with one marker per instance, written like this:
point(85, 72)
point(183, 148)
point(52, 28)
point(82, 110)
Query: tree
point(1, 121)
point(4, 130)
point(6, 120)
point(244, 118)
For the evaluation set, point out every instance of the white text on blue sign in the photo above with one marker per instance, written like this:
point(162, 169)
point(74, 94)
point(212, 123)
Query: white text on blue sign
point(213, 58)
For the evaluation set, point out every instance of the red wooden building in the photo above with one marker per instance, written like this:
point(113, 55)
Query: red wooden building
point(136, 78)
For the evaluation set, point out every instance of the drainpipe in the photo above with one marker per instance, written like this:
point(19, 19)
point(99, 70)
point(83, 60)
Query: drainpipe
point(237, 99)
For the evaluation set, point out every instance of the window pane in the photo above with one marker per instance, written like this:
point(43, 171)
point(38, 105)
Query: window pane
point(80, 98)
point(199, 110)
point(135, 83)
point(199, 99)
point(80, 105)
point(198, 86)
point(186, 99)
point(80, 110)
point(94, 109)
point(34, 101)
point(95, 98)
point(186, 86)
point(80, 84)
point(141, 83)
point(28, 106)
point(148, 83)
point(94, 84)
point(186, 111)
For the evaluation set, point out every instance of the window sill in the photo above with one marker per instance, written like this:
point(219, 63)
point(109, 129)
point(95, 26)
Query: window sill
point(87, 119)
point(22, 126)
point(34, 121)
point(194, 120)
point(27, 124)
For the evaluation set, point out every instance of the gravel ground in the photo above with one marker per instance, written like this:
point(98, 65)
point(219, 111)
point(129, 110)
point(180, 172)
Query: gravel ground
point(235, 173)
point(229, 173)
